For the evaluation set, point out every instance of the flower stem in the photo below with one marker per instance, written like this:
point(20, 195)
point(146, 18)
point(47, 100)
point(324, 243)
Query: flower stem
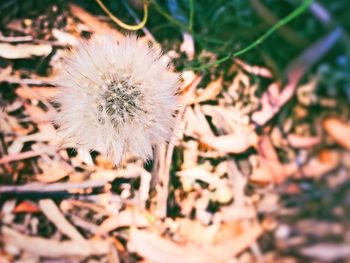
point(121, 23)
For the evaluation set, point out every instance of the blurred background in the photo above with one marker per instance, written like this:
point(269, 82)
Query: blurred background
point(257, 169)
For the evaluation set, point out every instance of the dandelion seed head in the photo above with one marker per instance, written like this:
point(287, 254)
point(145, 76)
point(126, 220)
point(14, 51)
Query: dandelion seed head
point(116, 97)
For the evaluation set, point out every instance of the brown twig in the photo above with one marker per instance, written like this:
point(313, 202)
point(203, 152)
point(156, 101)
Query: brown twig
point(56, 187)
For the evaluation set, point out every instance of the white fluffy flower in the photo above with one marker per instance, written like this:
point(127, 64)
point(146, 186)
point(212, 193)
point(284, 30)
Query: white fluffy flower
point(116, 97)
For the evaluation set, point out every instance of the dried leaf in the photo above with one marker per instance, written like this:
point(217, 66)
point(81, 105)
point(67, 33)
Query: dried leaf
point(26, 207)
point(95, 24)
point(52, 248)
point(158, 249)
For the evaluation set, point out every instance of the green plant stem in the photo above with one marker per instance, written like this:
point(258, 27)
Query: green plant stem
point(190, 24)
point(303, 7)
point(168, 17)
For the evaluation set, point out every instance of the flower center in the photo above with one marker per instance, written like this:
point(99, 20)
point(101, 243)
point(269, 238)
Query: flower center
point(120, 101)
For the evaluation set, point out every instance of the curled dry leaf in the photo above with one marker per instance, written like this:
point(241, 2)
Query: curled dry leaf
point(255, 70)
point(339, 131)
point(64, 38)
point(267, 168)
point(211, 91)
point(261, 175)
point(21, 51)
point(196, 124)
point(189, 86)
point(306, 93)
point(326, 162)
point(52, 248)
point(187, 45)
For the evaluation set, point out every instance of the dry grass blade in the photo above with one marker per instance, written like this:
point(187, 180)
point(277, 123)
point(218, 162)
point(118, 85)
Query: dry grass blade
point(21, 51)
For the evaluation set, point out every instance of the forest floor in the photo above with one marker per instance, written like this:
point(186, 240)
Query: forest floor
point(258, 169)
